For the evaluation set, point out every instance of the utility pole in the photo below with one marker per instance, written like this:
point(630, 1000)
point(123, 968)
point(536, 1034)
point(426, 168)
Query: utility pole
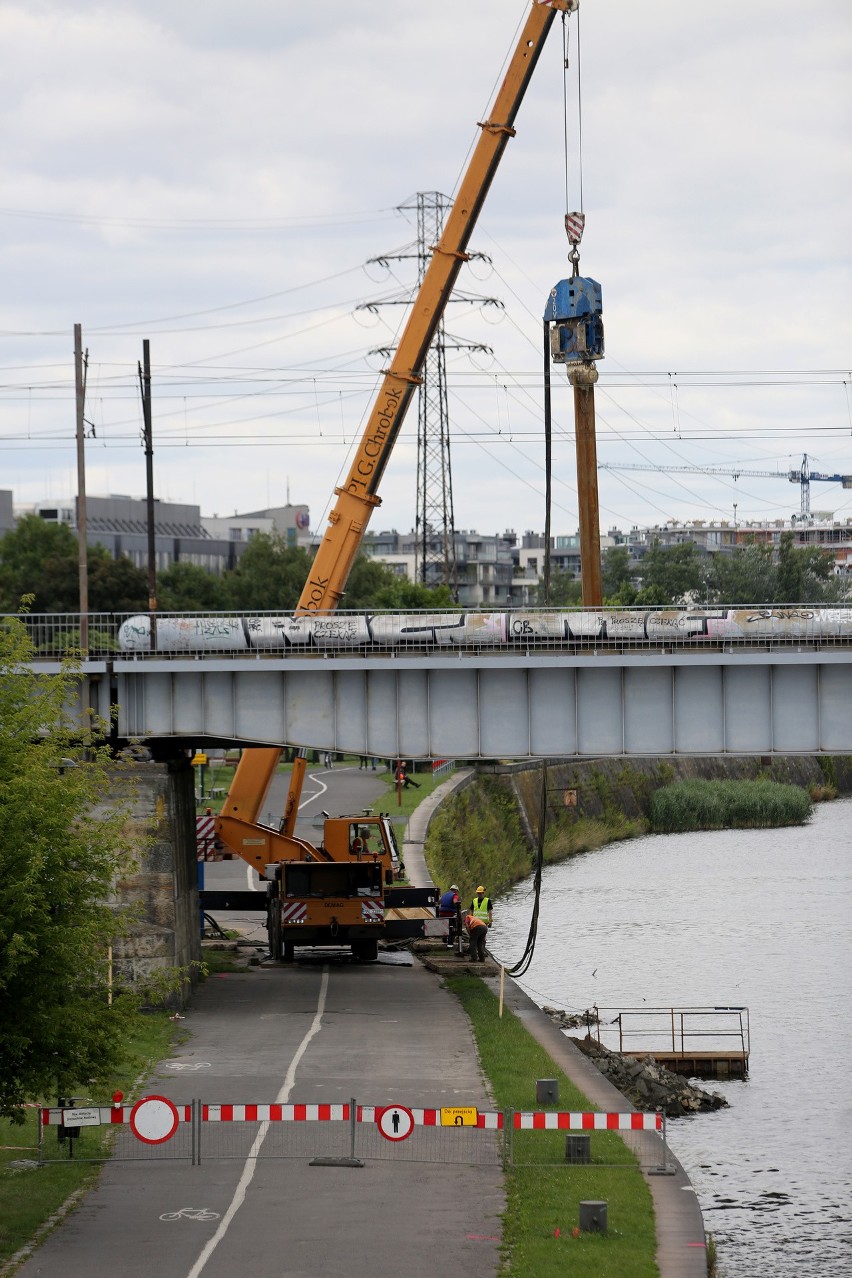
point(80, 363)
point(145, 385)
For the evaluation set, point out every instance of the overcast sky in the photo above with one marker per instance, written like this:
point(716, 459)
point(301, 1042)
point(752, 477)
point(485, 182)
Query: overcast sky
point(214, 177)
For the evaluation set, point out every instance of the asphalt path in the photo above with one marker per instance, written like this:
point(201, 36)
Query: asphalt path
point(325, 1031)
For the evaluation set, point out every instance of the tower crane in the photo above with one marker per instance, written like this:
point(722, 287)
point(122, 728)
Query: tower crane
point(803, 476)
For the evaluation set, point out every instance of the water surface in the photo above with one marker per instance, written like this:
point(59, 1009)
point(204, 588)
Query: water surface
point(760, 918)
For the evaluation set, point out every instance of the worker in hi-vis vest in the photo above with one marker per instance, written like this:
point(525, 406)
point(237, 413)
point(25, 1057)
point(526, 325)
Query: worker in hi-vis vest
point(478, 922)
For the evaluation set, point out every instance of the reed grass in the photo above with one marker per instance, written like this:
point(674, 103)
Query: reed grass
point(725, 805)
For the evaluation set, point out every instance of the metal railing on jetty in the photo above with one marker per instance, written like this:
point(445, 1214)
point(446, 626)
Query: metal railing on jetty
point(701, 1042)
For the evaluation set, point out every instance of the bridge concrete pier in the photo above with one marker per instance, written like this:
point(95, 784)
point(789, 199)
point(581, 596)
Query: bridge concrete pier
point(163, 883)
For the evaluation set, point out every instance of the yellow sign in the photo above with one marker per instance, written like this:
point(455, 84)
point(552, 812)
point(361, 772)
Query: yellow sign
point(199, 760)
point(460, 1116)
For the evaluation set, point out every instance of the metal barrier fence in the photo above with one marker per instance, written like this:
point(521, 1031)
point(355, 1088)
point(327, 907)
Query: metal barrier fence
point(350, 1134)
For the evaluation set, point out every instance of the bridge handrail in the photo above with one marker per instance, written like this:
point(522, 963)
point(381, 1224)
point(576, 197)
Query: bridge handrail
point(243, 634)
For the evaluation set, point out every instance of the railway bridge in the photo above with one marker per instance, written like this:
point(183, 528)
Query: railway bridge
point(565, 687)
point(468, 686)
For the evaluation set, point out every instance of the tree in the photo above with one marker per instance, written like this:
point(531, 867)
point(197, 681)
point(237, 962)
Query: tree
point(401, 593)
point(669, 574)
point(187, 587)
point(115, 585)
point(617, 576)
point(754, 574)
point(269, 576)
point(746, 576)
point(57, 865)
point(565, 590)
point(373, 584)
point(805, 574)
point(39, 559)
point(368, 579)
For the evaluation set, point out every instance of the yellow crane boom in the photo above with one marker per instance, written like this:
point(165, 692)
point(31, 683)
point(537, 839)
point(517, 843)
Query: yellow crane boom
point(358, 495)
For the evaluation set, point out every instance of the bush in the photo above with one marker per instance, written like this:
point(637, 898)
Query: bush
point(476, 837)
point(720, 805)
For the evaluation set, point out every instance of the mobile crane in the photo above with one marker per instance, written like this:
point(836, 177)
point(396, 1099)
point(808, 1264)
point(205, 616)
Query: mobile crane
point(331, 893)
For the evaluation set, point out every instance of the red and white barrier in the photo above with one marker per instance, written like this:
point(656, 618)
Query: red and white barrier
point(108, 1115)
point(580, 1122)
point(490, 1121)
point(274, 1113)
point(205, 837)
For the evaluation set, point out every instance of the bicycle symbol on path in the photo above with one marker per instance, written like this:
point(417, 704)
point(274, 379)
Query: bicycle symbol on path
point(191, 1213)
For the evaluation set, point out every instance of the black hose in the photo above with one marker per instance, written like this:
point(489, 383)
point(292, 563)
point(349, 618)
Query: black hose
point(526, 958)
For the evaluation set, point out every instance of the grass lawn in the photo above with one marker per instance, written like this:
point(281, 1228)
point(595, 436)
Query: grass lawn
point(30, 1195)
point(543, 1199)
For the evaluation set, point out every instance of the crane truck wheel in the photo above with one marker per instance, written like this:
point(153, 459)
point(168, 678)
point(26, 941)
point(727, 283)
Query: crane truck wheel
point(365, 951)
point(273, 924)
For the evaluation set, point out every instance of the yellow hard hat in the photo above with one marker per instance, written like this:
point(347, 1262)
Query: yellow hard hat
point(480, 890)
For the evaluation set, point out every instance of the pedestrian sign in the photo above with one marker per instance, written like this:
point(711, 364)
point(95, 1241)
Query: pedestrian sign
point(395, 1122)
point(459, 1116)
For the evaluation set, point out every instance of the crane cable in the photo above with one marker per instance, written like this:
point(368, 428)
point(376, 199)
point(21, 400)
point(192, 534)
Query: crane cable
point(526, 958)
point(575, 219)
point(566, 42)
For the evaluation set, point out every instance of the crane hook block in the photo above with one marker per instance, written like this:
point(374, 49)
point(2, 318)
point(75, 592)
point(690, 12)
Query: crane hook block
point(574, 313)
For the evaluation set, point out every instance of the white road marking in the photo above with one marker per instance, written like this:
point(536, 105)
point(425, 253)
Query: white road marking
point(250, 1165)
point(320, 792)
point(186, 1065)
point(190, 1213)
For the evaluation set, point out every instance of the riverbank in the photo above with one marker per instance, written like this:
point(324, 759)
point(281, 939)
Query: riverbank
point(663, 1204)
point(487, 829)
point(671, 1214)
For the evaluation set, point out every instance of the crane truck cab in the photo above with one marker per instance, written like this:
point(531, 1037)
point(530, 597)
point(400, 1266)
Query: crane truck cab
point(364, 838)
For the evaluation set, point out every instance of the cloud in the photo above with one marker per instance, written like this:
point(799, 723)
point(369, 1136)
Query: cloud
point(163, 160)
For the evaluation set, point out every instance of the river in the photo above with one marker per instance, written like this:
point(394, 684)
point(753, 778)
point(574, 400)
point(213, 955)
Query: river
point(760, 918)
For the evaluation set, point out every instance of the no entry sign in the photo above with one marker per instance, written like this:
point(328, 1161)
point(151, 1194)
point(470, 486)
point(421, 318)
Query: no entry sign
point(154, 1120)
